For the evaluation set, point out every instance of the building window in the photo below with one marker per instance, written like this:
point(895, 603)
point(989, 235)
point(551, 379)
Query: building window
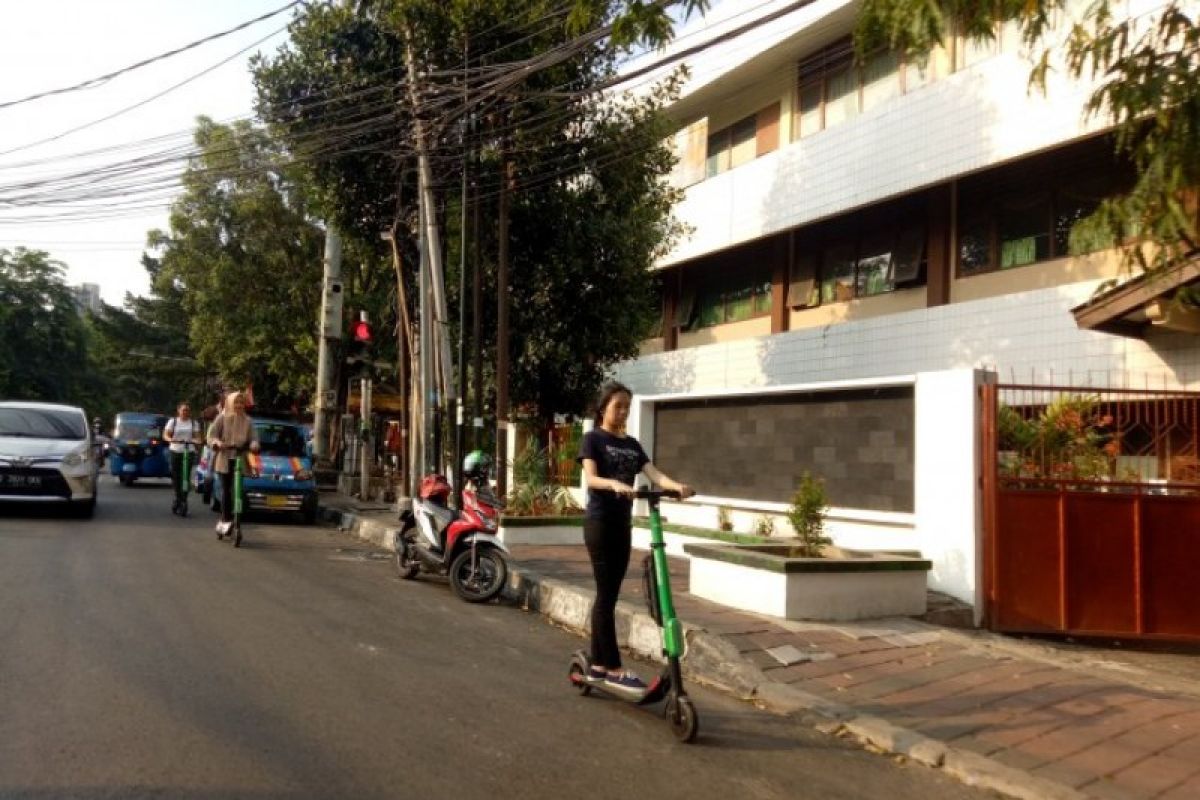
point(878, 261)
point(1007, 219)
point(833, 88)
point(727, 295)
point(743, 141)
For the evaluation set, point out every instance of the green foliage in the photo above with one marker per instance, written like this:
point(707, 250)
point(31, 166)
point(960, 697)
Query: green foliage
point(589, 211)
point(244, 258)
point(1148, 71)
point(43, 340)
point(534, 493)
point(1068, 439)
point(765, 525)
point(807, 515)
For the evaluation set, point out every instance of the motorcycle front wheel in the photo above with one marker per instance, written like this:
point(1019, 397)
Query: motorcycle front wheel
point(481, 580)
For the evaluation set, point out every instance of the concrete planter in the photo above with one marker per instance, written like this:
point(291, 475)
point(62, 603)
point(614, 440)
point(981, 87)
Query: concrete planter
point(541, 530)
point(845, 585)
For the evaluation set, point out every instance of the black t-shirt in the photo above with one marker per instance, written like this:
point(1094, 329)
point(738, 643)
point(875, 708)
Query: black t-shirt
point(618, 458)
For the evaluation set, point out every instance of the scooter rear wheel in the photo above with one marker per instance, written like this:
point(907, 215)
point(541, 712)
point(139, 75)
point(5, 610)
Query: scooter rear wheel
point(579, 680)
point(681, 716)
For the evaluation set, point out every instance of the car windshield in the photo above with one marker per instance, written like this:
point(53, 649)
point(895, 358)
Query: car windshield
point(280, 440)
point(42, 423)
point(138, 429)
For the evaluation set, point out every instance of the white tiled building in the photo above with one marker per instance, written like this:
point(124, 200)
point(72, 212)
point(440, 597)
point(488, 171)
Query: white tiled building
point(854, 226)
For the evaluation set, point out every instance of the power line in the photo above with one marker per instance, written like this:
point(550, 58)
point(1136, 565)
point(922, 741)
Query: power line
point(147, 100)
point(100, 80)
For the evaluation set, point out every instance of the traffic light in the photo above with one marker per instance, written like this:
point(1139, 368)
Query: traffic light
point(361, 329)
point(358, 349)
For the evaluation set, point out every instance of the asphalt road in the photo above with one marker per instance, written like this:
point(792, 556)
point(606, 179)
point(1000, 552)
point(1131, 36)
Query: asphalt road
point(140, 657)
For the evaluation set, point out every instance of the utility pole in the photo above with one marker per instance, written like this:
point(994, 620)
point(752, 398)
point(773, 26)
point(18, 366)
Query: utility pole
point(477, 330)
point(331, 333)
point(462, 304)
point(502, 304)
point(425, 354)
point(440, 340)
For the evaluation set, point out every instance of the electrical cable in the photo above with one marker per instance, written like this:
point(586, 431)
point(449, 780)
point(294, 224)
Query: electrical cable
point(100, 80)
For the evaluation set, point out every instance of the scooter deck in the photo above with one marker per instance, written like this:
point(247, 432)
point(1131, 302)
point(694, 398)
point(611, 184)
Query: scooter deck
point(655, 691)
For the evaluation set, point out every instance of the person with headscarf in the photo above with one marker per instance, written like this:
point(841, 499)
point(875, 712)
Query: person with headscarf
point(231, 429)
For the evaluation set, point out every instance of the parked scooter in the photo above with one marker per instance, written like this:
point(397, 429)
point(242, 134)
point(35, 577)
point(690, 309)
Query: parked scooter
point(679, 711)
point(461, 543)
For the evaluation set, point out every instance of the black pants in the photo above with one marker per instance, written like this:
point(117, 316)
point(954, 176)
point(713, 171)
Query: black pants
point(608, 545)
point(178, 478)
point(227, 496)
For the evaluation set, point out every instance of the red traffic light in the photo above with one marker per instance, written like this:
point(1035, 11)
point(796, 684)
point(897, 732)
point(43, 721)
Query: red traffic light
point(361, 331)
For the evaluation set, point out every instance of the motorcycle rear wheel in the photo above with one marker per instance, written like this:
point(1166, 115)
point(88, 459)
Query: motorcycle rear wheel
point(485, 581)
point(407, 565)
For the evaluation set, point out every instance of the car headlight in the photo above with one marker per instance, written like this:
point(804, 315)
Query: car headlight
point(304, 475)
point(75, 459)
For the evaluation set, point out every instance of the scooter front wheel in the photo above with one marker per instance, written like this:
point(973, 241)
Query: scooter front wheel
point(681, 716)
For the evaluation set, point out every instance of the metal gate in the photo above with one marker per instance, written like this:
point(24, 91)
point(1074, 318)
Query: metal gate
point(1092, 511)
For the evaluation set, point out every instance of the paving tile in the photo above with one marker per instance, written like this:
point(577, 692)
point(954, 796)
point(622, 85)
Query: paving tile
point(842, 664)
point(1092, 763)
point(1188, 790)
point(1152, 775)
point(917, 675)
point(1175, 735)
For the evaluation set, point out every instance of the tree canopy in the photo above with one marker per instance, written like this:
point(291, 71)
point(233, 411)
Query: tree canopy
point(43, 340)
point(589, 211)
point(243, 257)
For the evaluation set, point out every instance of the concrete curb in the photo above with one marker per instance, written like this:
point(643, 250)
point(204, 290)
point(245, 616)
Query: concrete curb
point(713, 660)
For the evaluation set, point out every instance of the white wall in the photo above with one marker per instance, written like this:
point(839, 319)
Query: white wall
point(947, 472)
point(1026, 337)
point(974, 118)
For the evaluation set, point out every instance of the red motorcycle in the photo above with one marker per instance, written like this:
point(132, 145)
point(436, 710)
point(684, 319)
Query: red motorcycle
point(460, 543)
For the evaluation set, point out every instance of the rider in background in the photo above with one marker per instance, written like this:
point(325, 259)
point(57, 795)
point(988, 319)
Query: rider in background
point(231, 429)
point(181, 431)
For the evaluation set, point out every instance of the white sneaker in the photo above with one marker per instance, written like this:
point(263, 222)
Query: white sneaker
point(223, 527)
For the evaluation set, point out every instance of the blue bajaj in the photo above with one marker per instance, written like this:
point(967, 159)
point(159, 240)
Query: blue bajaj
point(138, 449)
point(278, 478)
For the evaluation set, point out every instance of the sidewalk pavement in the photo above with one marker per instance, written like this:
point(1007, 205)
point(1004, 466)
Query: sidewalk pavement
point(1025, 720)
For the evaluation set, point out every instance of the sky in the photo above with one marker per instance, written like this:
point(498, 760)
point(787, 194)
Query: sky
point(50, 44)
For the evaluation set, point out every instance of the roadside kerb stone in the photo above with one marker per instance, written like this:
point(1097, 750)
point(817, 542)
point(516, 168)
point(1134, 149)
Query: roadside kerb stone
point(713, 660)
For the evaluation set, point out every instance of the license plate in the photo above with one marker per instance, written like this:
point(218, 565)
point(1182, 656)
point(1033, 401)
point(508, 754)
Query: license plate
point(276, 501)
point(24, 481)
point(129, 468)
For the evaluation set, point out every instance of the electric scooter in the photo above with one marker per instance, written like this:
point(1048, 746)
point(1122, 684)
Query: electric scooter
point(181, 505)
point(235, 531)
point(679, 711)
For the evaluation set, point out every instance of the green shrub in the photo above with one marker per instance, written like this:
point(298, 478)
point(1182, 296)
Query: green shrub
point(807, 515)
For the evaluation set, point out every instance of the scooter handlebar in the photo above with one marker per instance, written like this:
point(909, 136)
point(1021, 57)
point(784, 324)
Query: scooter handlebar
point(656, 494)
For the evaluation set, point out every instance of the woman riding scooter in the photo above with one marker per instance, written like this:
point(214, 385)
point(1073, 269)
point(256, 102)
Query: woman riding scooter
point(611, 462)
point(230, 432)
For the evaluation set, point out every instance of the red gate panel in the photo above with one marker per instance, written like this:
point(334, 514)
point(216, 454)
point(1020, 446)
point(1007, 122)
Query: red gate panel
point(1028, 562)
point(1101, 563)
point(1171, 565)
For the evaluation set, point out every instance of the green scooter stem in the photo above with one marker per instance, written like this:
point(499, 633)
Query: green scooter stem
point(672, 630)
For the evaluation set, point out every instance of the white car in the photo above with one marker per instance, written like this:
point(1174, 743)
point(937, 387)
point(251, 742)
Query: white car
point(47, 456)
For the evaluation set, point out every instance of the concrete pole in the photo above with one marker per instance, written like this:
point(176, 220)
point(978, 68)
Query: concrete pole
point(331, 333)
point(367, 450)
point(425, 341)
